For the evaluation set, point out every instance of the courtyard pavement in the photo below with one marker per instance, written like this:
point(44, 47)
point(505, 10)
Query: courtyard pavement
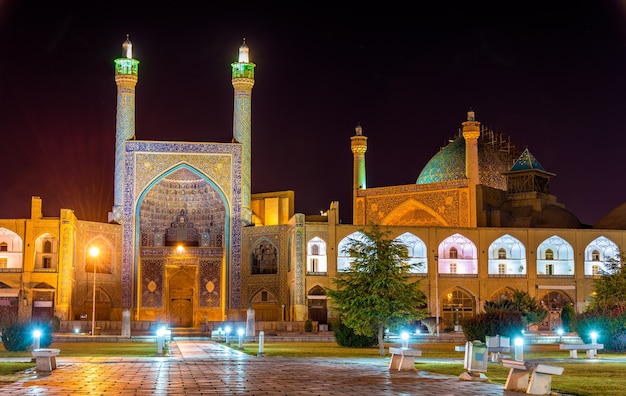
point(208, 368)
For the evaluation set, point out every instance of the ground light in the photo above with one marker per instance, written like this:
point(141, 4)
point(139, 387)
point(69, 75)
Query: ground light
point(160, 340)
point(36, 339)
point(405, 339)
point(560, 333)
point(594, 337)
point(219, 334)
point(240, 333)
point(519, 348)
point(227, 330)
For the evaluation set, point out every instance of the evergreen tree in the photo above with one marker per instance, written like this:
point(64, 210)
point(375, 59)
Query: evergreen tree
point(376, 291)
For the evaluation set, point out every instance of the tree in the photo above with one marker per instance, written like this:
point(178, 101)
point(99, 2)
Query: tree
point(376, 291)
point(610, 288)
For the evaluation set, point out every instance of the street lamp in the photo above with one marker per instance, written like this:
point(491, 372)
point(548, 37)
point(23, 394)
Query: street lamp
point(93, 252)
point(437, 294)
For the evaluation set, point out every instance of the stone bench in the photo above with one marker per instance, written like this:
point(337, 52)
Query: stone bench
point(591, 350)
point(495, 353)
point(45, 359)
point(540, 382)
point(403, 358)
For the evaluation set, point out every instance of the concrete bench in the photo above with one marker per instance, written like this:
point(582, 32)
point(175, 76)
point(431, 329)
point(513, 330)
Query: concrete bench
point(45, 359)
point(403, 358)
point(591, 350)
point(495, 353)
point(540, 382)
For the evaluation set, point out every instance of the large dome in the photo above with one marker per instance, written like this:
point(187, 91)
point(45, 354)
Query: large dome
point(449, 163)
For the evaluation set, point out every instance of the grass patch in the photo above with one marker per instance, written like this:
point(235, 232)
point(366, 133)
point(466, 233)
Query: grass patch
point(10, 368)
point(94, 349)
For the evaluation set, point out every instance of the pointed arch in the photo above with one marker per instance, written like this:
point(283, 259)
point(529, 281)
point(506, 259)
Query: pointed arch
point(343, 258)
point(553, 301)
point(417, 252)
point(264, 257)
point(414, 213)
point(457, 303)
point(598, 254)
point(316, 263)
point(555, 256)
point(457, 255)
point(265, 305)
point(506, 257)
point(11, 247)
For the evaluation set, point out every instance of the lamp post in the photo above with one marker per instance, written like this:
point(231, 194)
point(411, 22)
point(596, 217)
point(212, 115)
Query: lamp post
point(437, 294)
point(93, 252)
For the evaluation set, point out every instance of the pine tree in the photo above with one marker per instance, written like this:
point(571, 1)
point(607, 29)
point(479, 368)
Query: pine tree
point(376, 291)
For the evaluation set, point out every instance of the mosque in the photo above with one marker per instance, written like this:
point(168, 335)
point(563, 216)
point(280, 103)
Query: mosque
point(188, 244)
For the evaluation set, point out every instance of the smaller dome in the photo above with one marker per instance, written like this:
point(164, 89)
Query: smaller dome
point(553, 216)
point(614, 220)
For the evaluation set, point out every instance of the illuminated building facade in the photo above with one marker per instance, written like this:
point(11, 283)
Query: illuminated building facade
point(189, 244)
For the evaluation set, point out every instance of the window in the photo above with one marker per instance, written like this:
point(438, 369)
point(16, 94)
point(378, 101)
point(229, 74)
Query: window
point(595, 255)
point(3, 262)
point(47, 247)
point(549, 269)
point(454, 253)
point(4, 247)
point(315, 250)
point(264, 259)
point(47, 262)
point(314, 265)
point(502, 254)
point(453, 268)
point(501, 269)
point(595, 269)
point(549, 254)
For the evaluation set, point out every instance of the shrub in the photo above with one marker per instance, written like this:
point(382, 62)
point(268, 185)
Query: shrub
point(308, 326)
point(610, 324)
point(346, 337)
point(16, 337)
point(504, 323)
point(19, 336)
point(568, 317)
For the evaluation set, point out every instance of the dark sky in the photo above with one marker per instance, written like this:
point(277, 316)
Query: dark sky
point(553, 79)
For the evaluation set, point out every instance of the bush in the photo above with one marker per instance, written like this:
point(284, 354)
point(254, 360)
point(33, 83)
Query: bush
point(19, 336)
point(308, 326)
point(346, 337)
point(504, 323)
point(610, 324)
point(568, 317)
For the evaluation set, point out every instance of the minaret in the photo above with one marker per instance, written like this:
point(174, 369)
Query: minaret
point(243, 81)
point(471, 133)
point(126, 69)
point(359, 147)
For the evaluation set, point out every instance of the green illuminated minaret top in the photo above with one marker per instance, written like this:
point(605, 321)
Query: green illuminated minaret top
point(126, 76)
point(359, 147)
point(243, 81)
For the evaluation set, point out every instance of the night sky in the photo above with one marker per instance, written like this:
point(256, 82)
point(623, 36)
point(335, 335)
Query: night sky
point(553, 79)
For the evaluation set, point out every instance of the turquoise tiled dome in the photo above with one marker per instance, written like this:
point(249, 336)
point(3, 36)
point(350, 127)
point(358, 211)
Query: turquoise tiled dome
point(449, 164)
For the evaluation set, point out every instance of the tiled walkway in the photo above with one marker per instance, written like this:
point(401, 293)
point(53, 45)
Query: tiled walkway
point(207, 368)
